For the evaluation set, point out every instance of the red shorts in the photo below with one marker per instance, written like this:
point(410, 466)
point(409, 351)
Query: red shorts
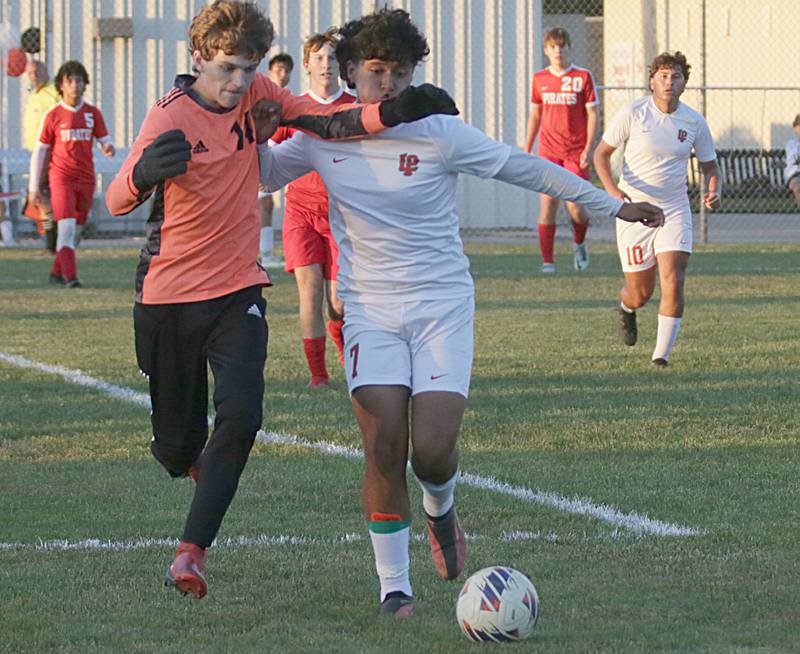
point(71, 199)
point(571, 162)
point(307, 239)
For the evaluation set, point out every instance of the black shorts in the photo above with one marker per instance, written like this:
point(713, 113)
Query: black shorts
point(175, 345)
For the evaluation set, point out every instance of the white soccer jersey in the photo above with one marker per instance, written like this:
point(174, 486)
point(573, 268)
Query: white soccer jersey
point(792, 159)
point(393, 201)
point(657, 148)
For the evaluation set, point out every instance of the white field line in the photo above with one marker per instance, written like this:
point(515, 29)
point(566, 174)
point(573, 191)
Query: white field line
point(635, 522)
point(287, 540)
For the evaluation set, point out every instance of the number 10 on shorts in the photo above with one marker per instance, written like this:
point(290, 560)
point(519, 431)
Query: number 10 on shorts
point(635, 255)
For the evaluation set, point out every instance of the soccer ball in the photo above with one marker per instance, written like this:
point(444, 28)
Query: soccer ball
point(497, 604)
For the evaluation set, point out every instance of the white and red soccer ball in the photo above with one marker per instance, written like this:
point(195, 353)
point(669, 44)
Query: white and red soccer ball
point(497, 604)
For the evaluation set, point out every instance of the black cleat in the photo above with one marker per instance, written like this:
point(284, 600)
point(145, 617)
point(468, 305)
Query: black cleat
point(660, 363)
point(55, 280)
point(627, 327)
point(397, 605)
point(73, 283)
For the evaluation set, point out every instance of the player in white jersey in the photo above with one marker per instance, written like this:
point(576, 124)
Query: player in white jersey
point(658, 133)
point(407, 291)
point(792, 171)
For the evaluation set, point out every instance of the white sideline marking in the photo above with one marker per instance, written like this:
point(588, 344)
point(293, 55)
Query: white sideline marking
point(637, 523)
point(264, 541)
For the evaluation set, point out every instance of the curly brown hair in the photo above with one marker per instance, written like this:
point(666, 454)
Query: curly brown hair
point(71, 69)
point(388, 35)
point(234, 26)
point(670, 60)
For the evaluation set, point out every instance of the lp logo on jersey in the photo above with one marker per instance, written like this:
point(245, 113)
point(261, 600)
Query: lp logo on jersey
point(682, 134)
point(409, 163)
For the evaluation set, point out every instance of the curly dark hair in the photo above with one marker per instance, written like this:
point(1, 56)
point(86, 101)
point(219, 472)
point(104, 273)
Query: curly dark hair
point(387, 34)
point(670, 60)
point(71, 69)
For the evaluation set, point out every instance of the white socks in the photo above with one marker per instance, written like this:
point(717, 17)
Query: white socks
point(266, 241)
point(437, 498)
point(7, 232)
point(391, 560)
point(667, 333)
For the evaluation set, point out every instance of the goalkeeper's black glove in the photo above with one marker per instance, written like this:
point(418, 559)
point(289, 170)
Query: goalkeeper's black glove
point(167, 156)
point(416, 102)
point(641, 212)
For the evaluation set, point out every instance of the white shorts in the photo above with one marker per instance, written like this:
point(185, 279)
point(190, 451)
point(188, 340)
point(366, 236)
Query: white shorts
point(425, 345)
point(638, 244)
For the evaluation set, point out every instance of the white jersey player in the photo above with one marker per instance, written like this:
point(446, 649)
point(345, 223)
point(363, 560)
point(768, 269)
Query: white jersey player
point(792, 171)
point(406, 287)
point(658, 133)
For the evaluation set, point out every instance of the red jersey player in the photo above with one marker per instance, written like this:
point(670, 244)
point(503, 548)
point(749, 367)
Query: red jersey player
point(198, 284)
point(67, 132)
point(563, 105)
point(308, 244)
point(279, 71)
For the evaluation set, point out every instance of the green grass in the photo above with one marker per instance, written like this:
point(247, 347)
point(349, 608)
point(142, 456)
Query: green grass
point(558, 404)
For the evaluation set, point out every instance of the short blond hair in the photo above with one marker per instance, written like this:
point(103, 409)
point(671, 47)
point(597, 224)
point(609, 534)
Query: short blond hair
point(316, 41)
point(234, 26)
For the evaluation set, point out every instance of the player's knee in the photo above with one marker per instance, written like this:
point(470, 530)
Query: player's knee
point(177, 460)
point(387, 459)
point(241, 418)
point(434, 460)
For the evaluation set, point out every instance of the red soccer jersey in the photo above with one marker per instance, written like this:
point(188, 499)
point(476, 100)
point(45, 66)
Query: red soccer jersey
point(563, 100)
point(309, 190)
point(69, 131)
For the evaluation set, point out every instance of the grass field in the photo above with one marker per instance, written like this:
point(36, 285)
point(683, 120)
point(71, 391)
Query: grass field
point(708, 446)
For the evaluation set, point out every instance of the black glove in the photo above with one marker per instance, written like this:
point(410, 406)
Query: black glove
point(641, 212)
point(165, 157)
point(416, 102)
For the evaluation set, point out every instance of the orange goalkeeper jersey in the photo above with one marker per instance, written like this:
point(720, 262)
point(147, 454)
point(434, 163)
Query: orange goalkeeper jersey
point(202, 233)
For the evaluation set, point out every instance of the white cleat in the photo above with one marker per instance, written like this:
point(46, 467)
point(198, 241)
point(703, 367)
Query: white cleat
point(548, 268)
point(581, 257)
point(271, 261)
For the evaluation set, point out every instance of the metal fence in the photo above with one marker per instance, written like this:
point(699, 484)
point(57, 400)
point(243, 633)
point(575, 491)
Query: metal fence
point(483, 51)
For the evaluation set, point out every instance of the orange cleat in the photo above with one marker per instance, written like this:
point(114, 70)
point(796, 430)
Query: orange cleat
point(186, 572)
point(448, 544)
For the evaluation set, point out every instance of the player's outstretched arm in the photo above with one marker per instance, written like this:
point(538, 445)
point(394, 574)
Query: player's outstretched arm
point(357, 120)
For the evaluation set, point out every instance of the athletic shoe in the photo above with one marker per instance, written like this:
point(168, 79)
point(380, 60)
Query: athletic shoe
point(319, 382)
point(55, 280)
point(660, 363)
point(627, 327)
point(397, 605)
point(448, 544)
point(271, 261)
point(73, 283)
point(581, 257)
point(186, 572)
point(548, 268)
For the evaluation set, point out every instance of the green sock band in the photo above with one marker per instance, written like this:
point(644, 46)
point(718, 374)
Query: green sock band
point(387, 526)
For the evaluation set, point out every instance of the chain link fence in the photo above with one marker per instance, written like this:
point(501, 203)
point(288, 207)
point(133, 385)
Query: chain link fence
point(485, 54)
